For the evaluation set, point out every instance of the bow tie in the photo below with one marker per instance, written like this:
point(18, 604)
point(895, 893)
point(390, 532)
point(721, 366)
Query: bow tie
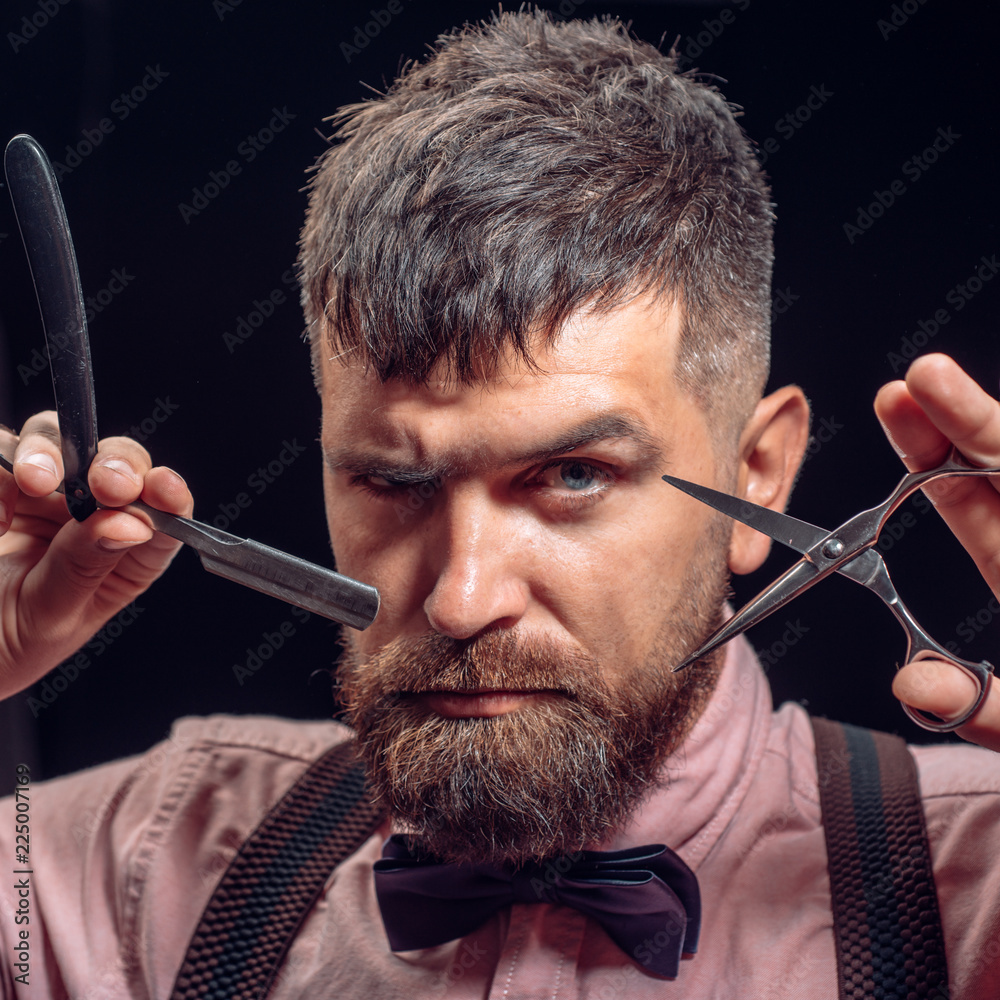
point(645, 898)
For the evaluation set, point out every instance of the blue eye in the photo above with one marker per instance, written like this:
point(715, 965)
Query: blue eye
point(574, 480)
point(577, 476)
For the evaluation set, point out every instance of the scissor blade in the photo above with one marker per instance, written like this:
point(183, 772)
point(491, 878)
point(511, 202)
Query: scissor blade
point(41, 218)
point(789, 585)
point(790, 531)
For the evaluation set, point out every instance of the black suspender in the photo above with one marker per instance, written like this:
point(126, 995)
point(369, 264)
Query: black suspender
point(272, 883)
point(885, 913)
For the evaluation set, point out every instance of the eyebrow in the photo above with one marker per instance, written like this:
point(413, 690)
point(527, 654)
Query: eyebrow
point(458, 462)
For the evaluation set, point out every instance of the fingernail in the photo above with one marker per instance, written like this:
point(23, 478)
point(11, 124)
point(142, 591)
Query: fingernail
point(120, 467)
point(892, 441)
point(40, 461)
point(177, 476)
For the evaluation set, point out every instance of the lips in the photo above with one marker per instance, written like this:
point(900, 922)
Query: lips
point(479, 704)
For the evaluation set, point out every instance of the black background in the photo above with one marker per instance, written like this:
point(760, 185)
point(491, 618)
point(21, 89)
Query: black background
point(226, 66)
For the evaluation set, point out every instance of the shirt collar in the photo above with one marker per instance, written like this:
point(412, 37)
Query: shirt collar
point(703, 783)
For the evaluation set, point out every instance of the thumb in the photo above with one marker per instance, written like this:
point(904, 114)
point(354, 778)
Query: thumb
point(946, 691)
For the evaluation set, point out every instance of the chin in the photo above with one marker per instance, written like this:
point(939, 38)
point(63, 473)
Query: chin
point(549, 779)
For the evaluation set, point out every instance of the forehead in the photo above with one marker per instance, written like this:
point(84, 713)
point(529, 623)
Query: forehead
point(620, 362)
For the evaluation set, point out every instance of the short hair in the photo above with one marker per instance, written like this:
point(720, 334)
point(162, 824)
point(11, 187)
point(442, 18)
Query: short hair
point(526, 170)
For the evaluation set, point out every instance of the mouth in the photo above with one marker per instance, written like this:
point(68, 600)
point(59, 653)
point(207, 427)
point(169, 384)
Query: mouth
point(480, 704)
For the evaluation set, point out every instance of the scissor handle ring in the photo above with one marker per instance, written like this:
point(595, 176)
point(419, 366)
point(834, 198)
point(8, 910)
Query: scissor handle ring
point(981, 673)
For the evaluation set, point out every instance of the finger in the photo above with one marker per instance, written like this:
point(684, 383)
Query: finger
point(910, 431)
point(939, 405)
point(118, 471)
point(957, 406)
point(91, 569)
point(947, 691)
point(165, 490)
point(38, 467)
point(61, 591)
point(919, 443)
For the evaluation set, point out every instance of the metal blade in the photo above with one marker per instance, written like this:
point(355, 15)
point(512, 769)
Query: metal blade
point(41, 217)
point(789, 585)
point(271, 571)
point(261, 568)
point(796, 534)
point(790, 531)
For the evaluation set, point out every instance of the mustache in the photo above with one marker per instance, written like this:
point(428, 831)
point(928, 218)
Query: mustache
point(497, 661)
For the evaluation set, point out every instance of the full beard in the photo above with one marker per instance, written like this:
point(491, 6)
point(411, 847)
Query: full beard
point(560, 773)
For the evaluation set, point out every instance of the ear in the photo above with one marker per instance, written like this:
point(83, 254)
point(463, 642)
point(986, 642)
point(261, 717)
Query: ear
point(771, 448)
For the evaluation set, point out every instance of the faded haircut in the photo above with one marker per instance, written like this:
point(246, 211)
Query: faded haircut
point(526, 170)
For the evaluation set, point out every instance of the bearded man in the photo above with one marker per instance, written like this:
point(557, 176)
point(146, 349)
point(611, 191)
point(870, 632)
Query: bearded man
point(536, 278)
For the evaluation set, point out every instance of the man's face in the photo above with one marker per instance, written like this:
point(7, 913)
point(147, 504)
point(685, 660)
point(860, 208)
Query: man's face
point(538, 579)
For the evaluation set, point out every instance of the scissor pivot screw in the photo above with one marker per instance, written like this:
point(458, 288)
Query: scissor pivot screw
point(833, 548)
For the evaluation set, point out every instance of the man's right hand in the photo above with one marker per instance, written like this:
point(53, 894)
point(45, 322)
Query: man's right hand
point(61, 580)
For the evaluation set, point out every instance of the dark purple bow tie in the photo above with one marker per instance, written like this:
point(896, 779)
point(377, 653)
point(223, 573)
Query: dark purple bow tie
point(645, 898)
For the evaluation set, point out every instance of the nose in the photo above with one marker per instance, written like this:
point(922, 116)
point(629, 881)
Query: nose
point(480, 564)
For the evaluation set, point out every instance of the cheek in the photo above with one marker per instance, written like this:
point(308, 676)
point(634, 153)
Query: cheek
point(621, 584)
point(361, 528)
point(366, 551)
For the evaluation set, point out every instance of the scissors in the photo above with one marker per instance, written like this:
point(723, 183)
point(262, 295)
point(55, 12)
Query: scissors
point(41, 218)
point(850, 551)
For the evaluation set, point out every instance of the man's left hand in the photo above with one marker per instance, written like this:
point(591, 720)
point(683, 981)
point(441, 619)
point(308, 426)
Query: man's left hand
point(937, 406)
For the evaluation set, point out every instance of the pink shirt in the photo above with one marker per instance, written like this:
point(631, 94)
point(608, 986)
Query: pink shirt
point(125, 856)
